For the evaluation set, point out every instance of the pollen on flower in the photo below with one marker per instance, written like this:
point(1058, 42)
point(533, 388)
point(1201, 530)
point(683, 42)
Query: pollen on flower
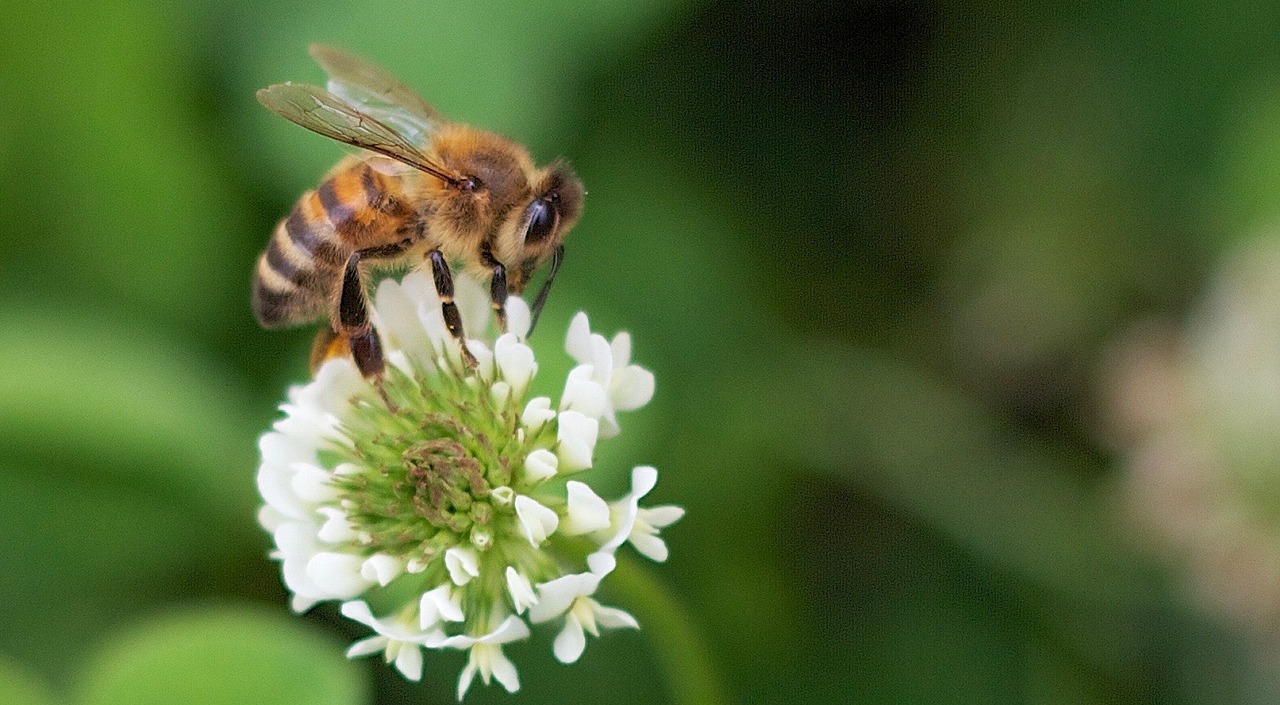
point(448, 492)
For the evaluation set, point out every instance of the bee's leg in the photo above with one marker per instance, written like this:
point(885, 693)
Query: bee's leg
point(353, 322)
point(497, 287)
point(452, 319)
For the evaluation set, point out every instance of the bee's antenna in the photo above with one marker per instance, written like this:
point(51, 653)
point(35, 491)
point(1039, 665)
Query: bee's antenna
point(556, 257)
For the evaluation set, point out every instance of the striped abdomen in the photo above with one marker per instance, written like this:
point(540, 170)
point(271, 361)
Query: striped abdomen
point(297, 277)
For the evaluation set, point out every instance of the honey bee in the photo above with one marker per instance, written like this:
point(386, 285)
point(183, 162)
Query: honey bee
point(423, 190)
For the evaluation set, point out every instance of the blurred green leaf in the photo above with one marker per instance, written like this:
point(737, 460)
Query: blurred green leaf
point(1247, 181)
point(85, 552)
point(688, 662)
point(118, 400)
point(120, 195)
point(231, 655)
point(21, 688)
point(941, 456)
point(128, 472)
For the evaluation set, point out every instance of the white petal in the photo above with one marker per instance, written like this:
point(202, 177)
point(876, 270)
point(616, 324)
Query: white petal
point(464, 680)
point(398, 322)
point(512, 629)
point(278, 449)
point(601, 359)
point(441, 604)
point(473, 303)
point(643, 479)
point(521, 591)
point(577, 341)
point(505, 672)
point(360, 612)
point(364, 647)
point(500, 391)
point(336, 528)
point(620, 347)
point(663, 516)
point(585, 512)
point(557, 596)
point(381, 568)
point(463, 565)
point(518, 317)
point(621, 523)
point(583, 394)
point(313, 484)
point(540, 465)
point(631, 388)
point(346, 469)
point(297, 545)
point(409, 661)
point(576, 435)
point(601, 563)
point(650, 545)
point(338, 574)
point(484, 358)
point(432, 320)
point(275, 486)
point(300, 604)
point(537, 413)
point(271, 519)
point(515, 361)
point(420, 288)
point(503, 494)
point(614, 618)
point(538, 521)
point(571, 641)
point(336, 382)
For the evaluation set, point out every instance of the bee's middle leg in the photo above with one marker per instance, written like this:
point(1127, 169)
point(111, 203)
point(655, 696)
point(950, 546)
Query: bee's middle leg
point(497, 287)
point(452, 319)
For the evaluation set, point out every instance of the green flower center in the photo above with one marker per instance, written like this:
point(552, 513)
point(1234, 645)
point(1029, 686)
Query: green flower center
point(428, 459)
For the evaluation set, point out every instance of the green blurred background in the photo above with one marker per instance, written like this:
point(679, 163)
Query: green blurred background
point(874, 253)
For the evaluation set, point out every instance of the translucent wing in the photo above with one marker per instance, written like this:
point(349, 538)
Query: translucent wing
point(375, 92)
point(320, 111)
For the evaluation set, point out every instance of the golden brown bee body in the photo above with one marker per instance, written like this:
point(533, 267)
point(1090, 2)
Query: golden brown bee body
point(426, 191)
point(298, 276)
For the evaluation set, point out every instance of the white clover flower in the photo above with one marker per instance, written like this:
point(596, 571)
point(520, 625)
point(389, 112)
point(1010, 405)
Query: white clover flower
point(486, 655)
point(399, 637)
point(639, 526)
point(605, 382)
point(442, 497)
point(570, 596)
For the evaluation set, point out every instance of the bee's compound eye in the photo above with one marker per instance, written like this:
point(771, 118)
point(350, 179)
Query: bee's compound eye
point(542, 220)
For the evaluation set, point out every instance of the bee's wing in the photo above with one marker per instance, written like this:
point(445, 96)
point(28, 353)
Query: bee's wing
point(320, 111)
point(375, 92)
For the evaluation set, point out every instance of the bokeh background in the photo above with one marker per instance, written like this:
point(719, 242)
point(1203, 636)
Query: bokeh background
point(965, 319)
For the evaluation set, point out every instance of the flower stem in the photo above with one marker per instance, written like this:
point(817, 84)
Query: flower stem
point(682, 653)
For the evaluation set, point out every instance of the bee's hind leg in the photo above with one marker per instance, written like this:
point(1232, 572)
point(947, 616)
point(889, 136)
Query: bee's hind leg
point(354, 324)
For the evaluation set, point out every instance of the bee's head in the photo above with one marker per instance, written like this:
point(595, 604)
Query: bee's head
point(536, 230)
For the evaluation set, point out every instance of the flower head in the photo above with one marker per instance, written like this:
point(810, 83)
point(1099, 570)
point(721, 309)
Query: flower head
point(445, 497)
point(1195, 411)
